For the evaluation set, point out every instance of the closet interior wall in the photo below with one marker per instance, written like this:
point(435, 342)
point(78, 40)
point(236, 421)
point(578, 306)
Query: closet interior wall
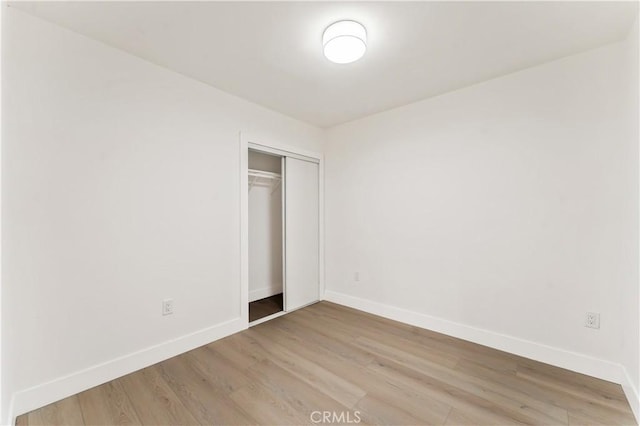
point(265, 226)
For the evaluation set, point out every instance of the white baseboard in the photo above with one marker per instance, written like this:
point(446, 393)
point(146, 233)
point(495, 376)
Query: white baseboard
point(569, 360)
point(631, 392)
point(261, 293)
point(38, 396)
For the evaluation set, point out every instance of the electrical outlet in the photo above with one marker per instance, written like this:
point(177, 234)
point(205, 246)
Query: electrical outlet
point(593, 320)
point(167, 307)
point(356, 276)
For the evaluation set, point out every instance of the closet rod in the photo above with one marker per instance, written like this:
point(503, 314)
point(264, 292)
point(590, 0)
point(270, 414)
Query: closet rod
point(262, 174)
point(263, 178)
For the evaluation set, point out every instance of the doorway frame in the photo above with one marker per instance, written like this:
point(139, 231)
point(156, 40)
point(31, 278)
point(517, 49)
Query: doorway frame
point(269, 146)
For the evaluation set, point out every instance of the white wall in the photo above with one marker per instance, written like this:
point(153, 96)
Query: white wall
point(261, 161)
point(120, 187)
point(265, 242)
point(2, 392)
point(502, 212)
point(265, 231)
point(630, 302)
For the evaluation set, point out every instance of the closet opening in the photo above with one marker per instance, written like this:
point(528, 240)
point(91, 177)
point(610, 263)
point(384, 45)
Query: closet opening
point(266, 237)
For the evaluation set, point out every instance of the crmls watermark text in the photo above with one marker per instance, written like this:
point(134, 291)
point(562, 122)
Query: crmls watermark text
point(335, 417)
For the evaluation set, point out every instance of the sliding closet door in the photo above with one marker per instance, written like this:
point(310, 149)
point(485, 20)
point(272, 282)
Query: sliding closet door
point(301, 233)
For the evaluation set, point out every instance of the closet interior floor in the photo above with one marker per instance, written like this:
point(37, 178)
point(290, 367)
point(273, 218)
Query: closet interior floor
point(265, 307)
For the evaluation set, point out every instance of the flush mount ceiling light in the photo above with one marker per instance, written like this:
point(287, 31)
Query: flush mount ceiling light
point(344, 41)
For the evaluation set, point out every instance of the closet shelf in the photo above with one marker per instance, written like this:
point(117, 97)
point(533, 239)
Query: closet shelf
point(264, 179)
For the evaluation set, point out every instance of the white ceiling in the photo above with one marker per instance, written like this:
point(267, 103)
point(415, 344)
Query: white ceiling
point(271, 53)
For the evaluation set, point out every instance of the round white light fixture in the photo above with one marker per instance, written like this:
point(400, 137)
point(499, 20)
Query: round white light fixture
point(344, 41)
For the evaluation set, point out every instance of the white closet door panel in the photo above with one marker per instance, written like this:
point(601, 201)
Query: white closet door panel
point(301, 233)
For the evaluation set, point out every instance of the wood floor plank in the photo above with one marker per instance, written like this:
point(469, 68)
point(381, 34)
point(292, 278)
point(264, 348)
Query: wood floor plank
point(262, 404)
point(579, 419)
point(325, 326)
point(428, 410)
point(107, 404)
point(239, 350)
point(302, 397)
point(465, 395)
point(575, 405)
point(350, 366)
point(600, 414)
point(328, 360)
point(421, 405)
point(477, 417)
point(591, 390)
point(202, 395)
point(567, 378)
point(66, 411)
point(501, 389)
point(309, 372)
point(446, 347)
point(154, 401)
point(22, 420)
point(214, 367)
point(434, 341)
point(375, 411)
point(301, 334)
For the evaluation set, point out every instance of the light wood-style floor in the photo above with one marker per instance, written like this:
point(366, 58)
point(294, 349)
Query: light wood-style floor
point(359, 366)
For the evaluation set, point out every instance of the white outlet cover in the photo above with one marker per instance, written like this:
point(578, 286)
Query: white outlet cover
point(592, 320)
point(167, 307)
